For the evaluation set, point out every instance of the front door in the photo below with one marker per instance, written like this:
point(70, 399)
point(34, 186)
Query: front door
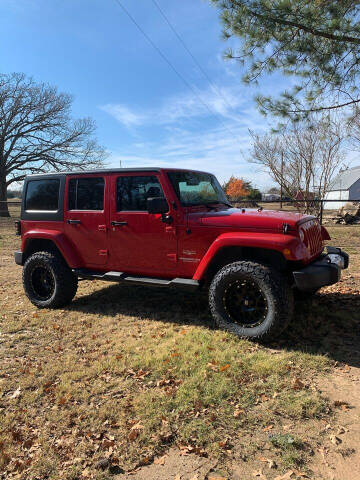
point(86, 219)
point(139, 242)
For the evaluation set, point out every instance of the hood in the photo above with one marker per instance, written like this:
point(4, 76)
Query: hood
point(248, 218)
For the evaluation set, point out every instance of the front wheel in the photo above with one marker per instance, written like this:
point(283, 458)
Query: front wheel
point(48, 281)
point(251, 300)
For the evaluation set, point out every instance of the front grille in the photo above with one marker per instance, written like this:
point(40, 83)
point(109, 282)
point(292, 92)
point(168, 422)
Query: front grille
point(312, 236)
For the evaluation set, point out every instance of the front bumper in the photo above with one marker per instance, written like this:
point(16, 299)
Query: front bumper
point(324, 271)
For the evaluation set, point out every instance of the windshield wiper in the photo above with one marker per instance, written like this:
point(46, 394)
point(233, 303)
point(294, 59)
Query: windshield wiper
point(223, 203)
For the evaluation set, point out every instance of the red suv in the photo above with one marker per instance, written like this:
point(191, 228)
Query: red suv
point(170, 228)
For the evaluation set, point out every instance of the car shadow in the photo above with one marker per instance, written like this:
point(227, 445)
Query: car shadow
point(327, 324)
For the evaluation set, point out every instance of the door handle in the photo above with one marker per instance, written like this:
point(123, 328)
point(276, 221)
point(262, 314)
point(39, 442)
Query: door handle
point(118, 224)
point(74, 222)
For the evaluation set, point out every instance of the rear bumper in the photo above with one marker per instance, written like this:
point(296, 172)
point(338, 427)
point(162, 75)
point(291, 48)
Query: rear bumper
point(324, 271)
point(18, 256)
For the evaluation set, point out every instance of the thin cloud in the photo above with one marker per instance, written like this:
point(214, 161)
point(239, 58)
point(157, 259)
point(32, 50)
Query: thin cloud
point(217, 150)
point(180, 108)
point(123, 114)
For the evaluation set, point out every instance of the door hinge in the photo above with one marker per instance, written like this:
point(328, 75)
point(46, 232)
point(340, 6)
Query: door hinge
point(103, 253)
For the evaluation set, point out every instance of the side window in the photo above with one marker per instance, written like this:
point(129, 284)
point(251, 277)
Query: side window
point(86, 193)
point(42, 195)
point(133, 192)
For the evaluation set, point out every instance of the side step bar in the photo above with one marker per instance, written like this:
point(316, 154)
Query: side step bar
point(186, 283)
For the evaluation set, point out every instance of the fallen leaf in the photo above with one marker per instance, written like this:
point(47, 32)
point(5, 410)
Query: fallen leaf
point(297, 384)
point(16, 393)
point(287, 475)
point(238, 412)
point(269, 427)
point(223, 444)
point(335, 440)
point(271, 463)
point(323, 451)
point(224, 367)
point(160, 460)
point(343, 405)
point(135, 431)
point(341, 430)
point(300, 474)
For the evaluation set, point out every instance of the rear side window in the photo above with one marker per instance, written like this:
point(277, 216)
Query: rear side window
point(42, 195)
point(132, 192)
point(86, 193)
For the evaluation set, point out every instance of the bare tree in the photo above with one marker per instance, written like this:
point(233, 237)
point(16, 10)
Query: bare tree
point(37, 133)
point(303, 158)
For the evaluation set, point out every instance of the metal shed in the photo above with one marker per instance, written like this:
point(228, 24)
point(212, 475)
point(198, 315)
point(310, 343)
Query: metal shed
point(346, 187)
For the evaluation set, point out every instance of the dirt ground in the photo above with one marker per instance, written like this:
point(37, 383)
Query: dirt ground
point(132, 383)
point(338, 458)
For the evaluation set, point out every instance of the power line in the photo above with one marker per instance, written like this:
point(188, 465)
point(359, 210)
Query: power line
point(212, 85)
point(163, 56)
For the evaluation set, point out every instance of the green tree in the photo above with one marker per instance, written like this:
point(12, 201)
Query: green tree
point(317, 41)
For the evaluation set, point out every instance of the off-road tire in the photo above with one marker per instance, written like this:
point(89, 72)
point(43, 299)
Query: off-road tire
point(64, 281)
point(276, 293)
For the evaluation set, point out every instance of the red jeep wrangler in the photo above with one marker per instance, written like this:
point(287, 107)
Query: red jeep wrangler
point(170, 228)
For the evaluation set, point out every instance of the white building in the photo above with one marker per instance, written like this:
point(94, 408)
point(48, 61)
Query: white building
point(346, 186)
point(270, 197)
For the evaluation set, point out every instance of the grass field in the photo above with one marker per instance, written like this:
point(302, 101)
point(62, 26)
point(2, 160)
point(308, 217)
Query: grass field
point(123, 373)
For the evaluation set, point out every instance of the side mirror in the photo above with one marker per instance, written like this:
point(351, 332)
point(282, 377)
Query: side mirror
point(157, 205)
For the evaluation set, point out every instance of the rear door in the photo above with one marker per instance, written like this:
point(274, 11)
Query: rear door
point(139, 242)
point(85, 217)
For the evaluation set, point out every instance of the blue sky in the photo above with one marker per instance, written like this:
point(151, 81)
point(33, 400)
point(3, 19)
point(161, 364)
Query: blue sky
point(145, 114)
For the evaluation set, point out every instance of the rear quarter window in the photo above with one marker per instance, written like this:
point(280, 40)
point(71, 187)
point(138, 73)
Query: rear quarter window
point(42, 195)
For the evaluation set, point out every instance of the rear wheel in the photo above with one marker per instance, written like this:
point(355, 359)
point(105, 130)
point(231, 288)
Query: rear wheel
point(48, 281)
point(251, 300)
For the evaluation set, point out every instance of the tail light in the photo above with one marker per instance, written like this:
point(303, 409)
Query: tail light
point(18, 227)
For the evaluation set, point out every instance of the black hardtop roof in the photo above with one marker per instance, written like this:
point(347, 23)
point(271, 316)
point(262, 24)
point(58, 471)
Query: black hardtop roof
point(112, 170)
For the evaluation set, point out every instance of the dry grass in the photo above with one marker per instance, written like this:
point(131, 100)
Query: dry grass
point(125, 372)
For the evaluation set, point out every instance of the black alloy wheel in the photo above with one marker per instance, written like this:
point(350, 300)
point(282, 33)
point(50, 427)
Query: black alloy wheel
point(42, 282)
point(251, 300)
point(245, 303)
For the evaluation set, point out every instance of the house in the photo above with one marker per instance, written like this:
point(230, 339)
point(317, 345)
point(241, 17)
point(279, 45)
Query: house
point(270, 197)
point(346, 187)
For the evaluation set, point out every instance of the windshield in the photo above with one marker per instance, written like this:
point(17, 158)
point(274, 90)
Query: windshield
point(196, 188)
